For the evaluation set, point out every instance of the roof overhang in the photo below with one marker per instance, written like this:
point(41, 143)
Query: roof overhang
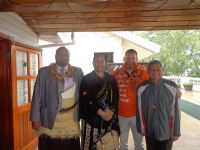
point(47, 16)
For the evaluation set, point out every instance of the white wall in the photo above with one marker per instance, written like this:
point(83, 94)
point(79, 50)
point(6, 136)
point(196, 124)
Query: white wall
point(83, 50)
point(13, 25)
point(142, 52)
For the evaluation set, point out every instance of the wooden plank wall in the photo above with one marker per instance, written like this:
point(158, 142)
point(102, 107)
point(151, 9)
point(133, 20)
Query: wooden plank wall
point(13, 25)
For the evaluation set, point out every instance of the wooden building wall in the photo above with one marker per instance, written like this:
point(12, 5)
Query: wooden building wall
point(13, 25)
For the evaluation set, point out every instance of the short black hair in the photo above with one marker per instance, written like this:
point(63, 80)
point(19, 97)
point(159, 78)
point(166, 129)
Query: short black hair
point(131, 51)
point(62, 48)
point(153, 62)
point(96, 55)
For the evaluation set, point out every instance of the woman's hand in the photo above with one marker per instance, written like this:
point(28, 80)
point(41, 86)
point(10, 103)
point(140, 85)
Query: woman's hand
point(105, 115)
point(108, 115)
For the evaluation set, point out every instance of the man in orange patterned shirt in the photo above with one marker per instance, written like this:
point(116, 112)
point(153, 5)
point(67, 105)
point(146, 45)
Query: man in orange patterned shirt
point(129, 76)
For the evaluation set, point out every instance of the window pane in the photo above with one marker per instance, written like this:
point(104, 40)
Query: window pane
point(22, 92)
point(21, 63)
point(33, 64)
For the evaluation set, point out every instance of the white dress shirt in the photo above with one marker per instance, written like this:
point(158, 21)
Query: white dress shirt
point(69, 81)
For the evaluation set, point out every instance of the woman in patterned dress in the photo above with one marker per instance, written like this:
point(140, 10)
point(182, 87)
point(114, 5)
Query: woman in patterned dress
point(99, 99)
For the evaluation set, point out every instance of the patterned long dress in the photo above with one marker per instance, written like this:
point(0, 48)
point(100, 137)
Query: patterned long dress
point(93, 92)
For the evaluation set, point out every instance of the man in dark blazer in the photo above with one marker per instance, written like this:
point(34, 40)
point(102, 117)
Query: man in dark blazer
point(54, 113)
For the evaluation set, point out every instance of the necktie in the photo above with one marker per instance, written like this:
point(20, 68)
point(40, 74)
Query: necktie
point(60, 89)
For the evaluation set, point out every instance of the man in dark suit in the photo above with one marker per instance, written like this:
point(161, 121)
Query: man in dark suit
point(54, 113)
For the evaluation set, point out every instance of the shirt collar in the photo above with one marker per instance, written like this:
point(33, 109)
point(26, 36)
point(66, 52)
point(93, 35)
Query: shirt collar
point(136, 68)
point(58, 68)
point(157, 84)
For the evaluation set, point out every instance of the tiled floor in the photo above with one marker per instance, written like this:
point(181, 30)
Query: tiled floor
point(191, 96)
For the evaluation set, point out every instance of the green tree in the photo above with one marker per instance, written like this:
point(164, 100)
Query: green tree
point(179, 53)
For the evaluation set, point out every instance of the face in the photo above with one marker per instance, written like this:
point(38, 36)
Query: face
point(130, 60)
point(155, 72)
point(62, 57)
point(99, 64)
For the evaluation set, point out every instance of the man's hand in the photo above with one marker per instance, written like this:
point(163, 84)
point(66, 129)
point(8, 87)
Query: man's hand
point(36, 125)
point(143, 134)
point(174, 138)
point(178, 94)
point(105, 115)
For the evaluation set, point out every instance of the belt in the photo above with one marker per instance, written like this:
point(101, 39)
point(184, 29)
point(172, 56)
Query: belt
point(64, 110)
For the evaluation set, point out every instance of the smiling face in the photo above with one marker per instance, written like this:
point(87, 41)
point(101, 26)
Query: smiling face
point(155, 72)
point(62, 56)
point(99, 63)
point(130, 60)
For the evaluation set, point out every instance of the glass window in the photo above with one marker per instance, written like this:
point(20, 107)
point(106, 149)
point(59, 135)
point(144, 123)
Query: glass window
point(33, 64)
point(22, 92)
point(21, 63)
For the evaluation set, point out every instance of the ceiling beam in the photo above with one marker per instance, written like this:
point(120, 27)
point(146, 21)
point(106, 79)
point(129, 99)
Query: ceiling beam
point(114, 20)
point(111, 14)
point(124, 5)
point(90, 15)
point(114, 25)
point(136, 28)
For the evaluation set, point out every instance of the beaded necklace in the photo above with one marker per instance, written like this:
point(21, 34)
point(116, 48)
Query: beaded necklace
point(59, 75)
point(134, 77)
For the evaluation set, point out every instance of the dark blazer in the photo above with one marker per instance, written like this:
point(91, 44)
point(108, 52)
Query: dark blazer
point(44, 106)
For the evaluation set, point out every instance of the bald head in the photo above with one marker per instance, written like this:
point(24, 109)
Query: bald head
point(62, 56)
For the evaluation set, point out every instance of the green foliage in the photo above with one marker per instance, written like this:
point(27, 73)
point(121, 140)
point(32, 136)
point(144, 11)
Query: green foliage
point(188, 84)
point(178, 85)
point(179, 53)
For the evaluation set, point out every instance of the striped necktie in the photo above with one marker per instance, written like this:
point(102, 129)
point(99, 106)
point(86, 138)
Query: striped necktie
point(60, 89)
